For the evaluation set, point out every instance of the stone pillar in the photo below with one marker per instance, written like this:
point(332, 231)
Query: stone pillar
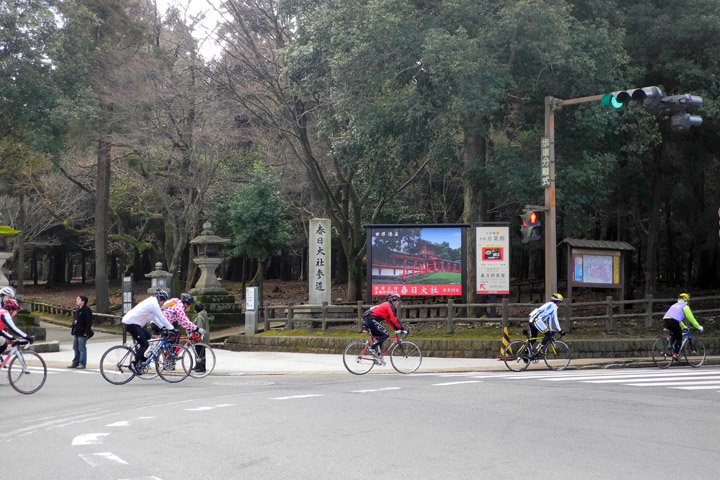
point(252, 310)
point(4, 282)
point(319, 266)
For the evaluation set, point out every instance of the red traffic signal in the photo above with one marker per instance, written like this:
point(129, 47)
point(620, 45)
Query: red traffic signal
point(530, 226)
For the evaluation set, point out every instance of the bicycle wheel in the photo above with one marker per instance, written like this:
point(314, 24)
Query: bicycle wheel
point(694, 352)
point(662, 352)
point(357, 358)
point(115, 365)
point(176, 366)
point(405, 357)
point(516, 356)
point(204, 361)
point(557, 355)
point(27, 372)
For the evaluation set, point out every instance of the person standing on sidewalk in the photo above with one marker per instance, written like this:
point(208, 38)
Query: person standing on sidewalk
point(673, 320)
point(81, 331)
point(202, 320)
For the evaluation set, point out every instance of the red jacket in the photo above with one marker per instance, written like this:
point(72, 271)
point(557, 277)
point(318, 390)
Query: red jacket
point(387, 313)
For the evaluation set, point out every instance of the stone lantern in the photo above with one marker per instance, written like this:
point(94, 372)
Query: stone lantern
point(208, 258)
point(5, 232)
point(159, 278)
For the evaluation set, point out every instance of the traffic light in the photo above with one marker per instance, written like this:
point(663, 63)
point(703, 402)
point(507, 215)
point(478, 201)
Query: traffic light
point(530, 226)
point(652, 100)
point(645, 97)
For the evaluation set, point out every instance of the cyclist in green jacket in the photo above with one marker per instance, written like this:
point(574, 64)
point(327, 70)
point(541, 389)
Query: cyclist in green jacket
point(673, 320)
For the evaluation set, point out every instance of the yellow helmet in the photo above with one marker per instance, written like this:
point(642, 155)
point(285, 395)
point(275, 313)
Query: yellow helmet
point(684, 297)
point(556, 297)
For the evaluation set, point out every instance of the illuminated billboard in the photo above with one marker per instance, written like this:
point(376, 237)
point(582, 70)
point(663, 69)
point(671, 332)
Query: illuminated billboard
point(416, 260)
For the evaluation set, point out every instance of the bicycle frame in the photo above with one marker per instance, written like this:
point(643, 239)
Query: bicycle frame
point(396, 339)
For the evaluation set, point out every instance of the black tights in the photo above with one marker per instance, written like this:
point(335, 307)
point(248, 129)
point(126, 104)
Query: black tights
point(674, 327)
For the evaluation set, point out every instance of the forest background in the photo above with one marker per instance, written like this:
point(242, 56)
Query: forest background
point(118, 140)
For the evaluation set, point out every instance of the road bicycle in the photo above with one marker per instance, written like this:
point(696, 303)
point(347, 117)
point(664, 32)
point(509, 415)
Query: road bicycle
point(172, 362)
point(519, 354)
point(203, 355)
point(405, 356)
point(691, 348)
point(26, 369)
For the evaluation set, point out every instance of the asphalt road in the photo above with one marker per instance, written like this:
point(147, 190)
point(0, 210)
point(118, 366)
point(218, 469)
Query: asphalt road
point(588, 424)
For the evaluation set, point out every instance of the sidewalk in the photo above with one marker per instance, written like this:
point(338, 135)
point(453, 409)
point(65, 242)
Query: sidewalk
point(278, 363)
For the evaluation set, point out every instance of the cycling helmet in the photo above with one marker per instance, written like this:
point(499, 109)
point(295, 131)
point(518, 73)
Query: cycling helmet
point(683, 297)
point(393, 296)
point(187, 299)
point(161, 295)
point(199, 307)
point(556, 297)
point(7, 291)
point(195, 337)
point(12, 305)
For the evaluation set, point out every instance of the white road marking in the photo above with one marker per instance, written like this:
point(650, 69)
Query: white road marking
point(198, 409)
point(89, 439)
point(455, 383)
point(386, 389)
point(669, 384)
point(95, 459)
point(122, 423)
point(293, 397)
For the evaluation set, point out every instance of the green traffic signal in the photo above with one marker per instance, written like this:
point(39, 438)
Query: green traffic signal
point(611, 100)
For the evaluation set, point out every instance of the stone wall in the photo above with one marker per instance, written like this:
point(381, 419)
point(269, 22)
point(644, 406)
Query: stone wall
point(451, 348)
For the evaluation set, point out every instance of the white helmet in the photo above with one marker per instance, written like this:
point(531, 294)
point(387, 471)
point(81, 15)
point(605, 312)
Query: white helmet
point(9, 291)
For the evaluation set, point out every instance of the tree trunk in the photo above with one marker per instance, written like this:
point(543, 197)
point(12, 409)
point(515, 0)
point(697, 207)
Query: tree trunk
point(20, 264)
point(474, 197)
point(102, 200)
point(650, 276)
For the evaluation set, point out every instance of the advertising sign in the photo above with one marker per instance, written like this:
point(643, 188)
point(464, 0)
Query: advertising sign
point(416, 260)
point(492, 244)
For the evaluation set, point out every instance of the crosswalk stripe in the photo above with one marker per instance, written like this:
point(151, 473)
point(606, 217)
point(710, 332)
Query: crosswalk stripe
point(668, 384)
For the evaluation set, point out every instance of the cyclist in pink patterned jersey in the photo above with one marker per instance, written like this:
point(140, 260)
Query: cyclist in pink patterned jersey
point(174, 310)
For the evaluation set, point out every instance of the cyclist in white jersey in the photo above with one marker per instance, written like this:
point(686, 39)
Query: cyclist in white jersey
point(135, 320)
point(544, 319)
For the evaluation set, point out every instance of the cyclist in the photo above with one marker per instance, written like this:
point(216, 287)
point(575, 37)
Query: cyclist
point(135, 320)
point(386, 311)
point(673, 320)
point(8, 311)
point(174, 310)
point(5, 293)
point(544, 319)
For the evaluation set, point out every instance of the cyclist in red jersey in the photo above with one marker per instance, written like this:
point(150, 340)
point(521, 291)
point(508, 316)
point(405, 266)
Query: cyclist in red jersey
point(8, 311)
point(386, 311)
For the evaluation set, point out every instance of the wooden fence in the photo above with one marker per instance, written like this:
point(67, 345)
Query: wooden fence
point(98, 318)
point(647, 310)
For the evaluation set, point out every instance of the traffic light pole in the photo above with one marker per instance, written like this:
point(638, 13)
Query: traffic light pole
point(552, 105)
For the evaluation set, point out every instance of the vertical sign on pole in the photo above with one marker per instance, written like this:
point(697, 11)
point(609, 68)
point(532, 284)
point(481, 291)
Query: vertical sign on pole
point(545, 162)
point(319, 266)
point(127, 298)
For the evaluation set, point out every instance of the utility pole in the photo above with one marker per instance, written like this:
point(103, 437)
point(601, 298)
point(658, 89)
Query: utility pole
point(552, 105)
